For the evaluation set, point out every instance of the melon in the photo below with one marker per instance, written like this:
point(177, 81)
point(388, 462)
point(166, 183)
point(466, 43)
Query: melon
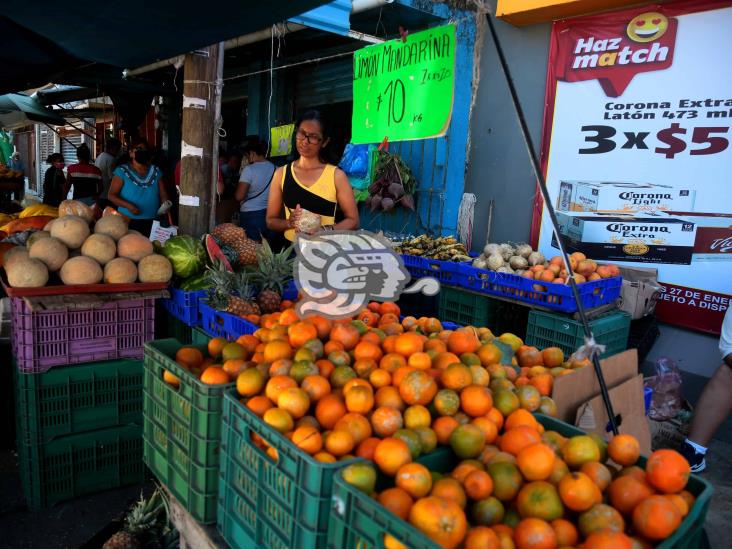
point(81, 270)
point(120, 271)
point(51, 251)
point(99, 247)
point(14, 254)
point(48, 226)
point(35, 237)
point(25, 272)
point(155, 268)
point(71, 230)
point(111, 225)
point(134, 247)
point(74, 207)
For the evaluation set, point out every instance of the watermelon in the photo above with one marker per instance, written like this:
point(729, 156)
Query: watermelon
point(186, 254)
point(196, 282)
point(215, 253)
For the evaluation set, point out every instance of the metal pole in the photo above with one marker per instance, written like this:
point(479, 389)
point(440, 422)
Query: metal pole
point(552, 216)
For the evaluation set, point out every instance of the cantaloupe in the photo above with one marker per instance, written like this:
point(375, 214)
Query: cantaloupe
point(74, 207)
point(71, 230)
point(47, 228)
point(154, 268)
point(14, 254)
point(134, 247)
point(51, 251)
point(81, 270)
point(35, 237)
point(120, 271)
point(99, 247)
point(25, 272)
point(111, 225)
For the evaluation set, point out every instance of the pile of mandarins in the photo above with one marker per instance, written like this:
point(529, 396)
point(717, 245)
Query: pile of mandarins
point(535, 489)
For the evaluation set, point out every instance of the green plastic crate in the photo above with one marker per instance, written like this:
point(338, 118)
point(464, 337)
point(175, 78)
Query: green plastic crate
point(199, 337)
point(267, 503)
point(177, 329)
point(357, 520)
point(80, 464)
point(182, 430)
point(472, 309)
point(558, 330)
point(467, 308)
point(78, 398)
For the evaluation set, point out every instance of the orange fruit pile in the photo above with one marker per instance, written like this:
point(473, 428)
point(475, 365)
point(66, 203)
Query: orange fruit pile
point(536, 489)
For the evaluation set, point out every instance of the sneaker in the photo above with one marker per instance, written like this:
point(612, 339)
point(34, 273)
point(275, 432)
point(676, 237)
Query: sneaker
point(695, 459)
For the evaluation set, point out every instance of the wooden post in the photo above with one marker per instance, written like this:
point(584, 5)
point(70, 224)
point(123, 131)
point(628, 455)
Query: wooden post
point(202, 75)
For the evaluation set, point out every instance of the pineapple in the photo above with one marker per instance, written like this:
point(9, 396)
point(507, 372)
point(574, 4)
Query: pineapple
point(246, 251)
point(221, 296)
point(228, 233)
point(140, 523)
point(271, 273)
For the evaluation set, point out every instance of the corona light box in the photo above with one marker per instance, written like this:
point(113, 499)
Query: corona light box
point(584, 196)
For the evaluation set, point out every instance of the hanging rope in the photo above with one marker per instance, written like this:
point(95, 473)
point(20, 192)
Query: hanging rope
point(466, 215)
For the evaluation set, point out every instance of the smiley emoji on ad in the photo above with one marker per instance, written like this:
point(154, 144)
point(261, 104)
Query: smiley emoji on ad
point(647, 27)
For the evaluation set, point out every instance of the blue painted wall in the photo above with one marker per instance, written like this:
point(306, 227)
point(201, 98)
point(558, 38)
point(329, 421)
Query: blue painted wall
point(439, 164)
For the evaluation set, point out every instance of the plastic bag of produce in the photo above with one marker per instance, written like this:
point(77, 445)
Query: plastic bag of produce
point(186, 254)
point(667, 396)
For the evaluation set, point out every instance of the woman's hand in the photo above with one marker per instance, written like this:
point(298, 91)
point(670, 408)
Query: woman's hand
point(294, 218)
point(134, 210)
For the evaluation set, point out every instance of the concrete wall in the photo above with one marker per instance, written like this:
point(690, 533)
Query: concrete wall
point(499, 164)
point(499, 168)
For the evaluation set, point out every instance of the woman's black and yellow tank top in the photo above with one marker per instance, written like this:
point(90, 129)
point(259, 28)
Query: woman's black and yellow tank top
point(319, 198)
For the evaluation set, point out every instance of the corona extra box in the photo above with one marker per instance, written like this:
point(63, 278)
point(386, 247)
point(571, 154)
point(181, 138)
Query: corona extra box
point(646, 239)
point(611, 197)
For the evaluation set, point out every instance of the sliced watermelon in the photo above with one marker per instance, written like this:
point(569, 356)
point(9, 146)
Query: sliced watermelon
point(214, 252)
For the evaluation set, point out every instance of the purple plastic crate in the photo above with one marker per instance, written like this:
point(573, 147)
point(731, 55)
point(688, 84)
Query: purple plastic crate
point(184, 305)
point(219, 324)
point(44, 339)
point(557, 297)
point(447, 272)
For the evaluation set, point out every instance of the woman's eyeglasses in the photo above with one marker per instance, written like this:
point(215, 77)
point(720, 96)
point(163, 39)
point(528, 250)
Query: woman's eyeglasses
point(312, 138)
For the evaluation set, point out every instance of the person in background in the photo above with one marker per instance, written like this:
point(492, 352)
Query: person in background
point(714, 404)
point(252, 190)
point(105, 162)
point(54, 180)
point(227, 205)
point(136, 188)
point(16, 163)
point(311, 183)
point(84, 177)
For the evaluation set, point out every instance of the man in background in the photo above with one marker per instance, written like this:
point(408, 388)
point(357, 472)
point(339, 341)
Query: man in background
point(16, 163)
point(106, 163)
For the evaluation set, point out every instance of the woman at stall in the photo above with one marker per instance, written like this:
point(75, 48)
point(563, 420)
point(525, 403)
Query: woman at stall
point(311, 183)
point(252, 190)
point(136, 188)
point(54, 180)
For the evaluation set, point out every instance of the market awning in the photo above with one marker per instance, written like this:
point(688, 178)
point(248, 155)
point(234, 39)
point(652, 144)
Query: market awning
point(17, 110)
point(41, 41)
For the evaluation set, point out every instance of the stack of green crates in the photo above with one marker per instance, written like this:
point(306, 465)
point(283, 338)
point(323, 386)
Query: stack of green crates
point(79, 429)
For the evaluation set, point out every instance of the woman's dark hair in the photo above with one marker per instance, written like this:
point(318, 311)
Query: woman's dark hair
point(326, 155)
point(54, 157)
point(138, 141)
point(83, 153)
point(256, 146)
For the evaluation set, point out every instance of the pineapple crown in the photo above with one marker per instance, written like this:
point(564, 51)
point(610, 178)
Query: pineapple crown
point(273, 270)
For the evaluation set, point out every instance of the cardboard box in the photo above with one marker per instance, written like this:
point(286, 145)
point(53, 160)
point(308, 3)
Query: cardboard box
point(713, 235)
point(651, 238)
point(640, 291)
point(579, 401)
point(616, 197)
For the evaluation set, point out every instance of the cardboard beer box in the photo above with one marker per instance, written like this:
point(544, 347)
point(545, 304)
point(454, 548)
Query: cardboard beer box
point(713, 235)
point(640, 291)
point(650, 238)
point(617, 197)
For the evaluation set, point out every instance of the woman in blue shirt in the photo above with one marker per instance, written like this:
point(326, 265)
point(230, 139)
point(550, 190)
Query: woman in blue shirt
point(136, 188)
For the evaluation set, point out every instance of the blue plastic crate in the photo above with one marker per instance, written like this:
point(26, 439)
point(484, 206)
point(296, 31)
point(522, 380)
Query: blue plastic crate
point(219, 324)
point(290, 291)
point(557, 297)
point(447, 272)
point(184, 305)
